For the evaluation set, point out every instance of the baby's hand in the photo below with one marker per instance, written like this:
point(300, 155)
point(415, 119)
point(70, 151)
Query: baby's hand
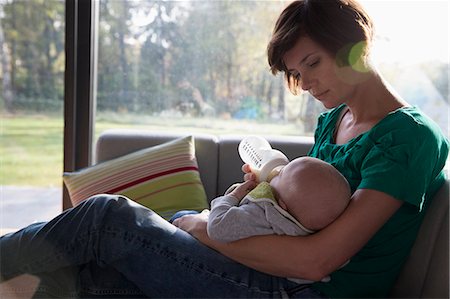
point(243, 189)
point(248, 174)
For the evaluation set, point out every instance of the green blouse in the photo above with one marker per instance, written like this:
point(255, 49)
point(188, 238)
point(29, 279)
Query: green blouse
point(403, 155)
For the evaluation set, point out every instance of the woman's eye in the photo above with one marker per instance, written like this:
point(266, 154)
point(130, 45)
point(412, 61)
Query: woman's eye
point(314, 63)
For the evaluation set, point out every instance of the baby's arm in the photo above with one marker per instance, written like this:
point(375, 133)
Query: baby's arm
point(229, 222)
point(239, 191)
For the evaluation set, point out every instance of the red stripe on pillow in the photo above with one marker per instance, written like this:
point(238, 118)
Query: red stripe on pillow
point(126, 176)
point(144, 179)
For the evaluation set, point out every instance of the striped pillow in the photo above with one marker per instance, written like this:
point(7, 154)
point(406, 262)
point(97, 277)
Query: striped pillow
point(164, 178)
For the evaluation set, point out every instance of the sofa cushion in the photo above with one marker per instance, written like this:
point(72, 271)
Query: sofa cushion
point(164, 178)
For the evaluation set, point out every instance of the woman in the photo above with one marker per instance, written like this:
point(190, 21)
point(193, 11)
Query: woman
point(391, 154)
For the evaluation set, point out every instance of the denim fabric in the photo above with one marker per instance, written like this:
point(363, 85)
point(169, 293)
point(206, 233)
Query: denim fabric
point(109, 246)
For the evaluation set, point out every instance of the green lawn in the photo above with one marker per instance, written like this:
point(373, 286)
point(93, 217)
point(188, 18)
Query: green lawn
point(31, 150)
point(31, 146)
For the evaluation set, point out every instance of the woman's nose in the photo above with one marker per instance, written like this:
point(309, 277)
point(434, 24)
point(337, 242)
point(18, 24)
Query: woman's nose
point(305, 83)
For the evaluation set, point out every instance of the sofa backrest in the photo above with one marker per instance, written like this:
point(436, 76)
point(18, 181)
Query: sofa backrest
point(217, 157)
point(425, 273)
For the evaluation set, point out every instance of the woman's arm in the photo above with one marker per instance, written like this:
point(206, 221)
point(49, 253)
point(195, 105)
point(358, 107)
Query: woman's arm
point(312, 257)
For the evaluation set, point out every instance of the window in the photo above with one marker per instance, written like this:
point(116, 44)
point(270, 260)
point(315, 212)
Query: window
point(412, 52)
point(178, 65)
point(31, 105)
point(193, 66)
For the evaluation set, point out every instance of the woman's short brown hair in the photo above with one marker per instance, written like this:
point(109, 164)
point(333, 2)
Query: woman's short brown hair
point(336, 25)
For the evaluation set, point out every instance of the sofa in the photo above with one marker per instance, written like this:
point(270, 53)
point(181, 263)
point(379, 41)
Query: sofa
point(424, 275)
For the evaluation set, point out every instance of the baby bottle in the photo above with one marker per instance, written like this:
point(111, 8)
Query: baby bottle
point(265, 162)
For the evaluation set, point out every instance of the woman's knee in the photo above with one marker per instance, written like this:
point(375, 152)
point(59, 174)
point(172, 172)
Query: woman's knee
point(103, 205)
point(116, 211)
point(101, 201)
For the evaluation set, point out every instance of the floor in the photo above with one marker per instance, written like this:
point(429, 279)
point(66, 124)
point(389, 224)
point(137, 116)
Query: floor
point(20, 206)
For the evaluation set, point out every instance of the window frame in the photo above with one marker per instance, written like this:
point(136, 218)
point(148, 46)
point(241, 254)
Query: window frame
point(80, 85)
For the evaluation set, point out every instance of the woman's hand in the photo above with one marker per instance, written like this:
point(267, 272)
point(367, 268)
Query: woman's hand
point(194, 224)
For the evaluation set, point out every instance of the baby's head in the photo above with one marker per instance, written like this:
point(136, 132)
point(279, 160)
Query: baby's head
point(312, 191)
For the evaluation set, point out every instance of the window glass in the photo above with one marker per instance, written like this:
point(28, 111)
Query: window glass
point(31, 110)
point(178, 65)
point(412, 52)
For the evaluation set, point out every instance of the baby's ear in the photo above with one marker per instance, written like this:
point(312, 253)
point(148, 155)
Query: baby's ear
point(282, 204)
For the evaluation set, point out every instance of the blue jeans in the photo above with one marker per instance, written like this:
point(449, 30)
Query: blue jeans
point(109, 246)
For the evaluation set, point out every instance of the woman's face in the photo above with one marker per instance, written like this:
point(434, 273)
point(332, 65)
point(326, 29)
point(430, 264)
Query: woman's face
point(318, 73)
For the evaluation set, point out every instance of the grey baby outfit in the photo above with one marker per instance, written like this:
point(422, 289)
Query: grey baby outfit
point(258, 213)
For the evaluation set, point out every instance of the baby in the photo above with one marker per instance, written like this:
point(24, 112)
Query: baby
point(306, 196)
